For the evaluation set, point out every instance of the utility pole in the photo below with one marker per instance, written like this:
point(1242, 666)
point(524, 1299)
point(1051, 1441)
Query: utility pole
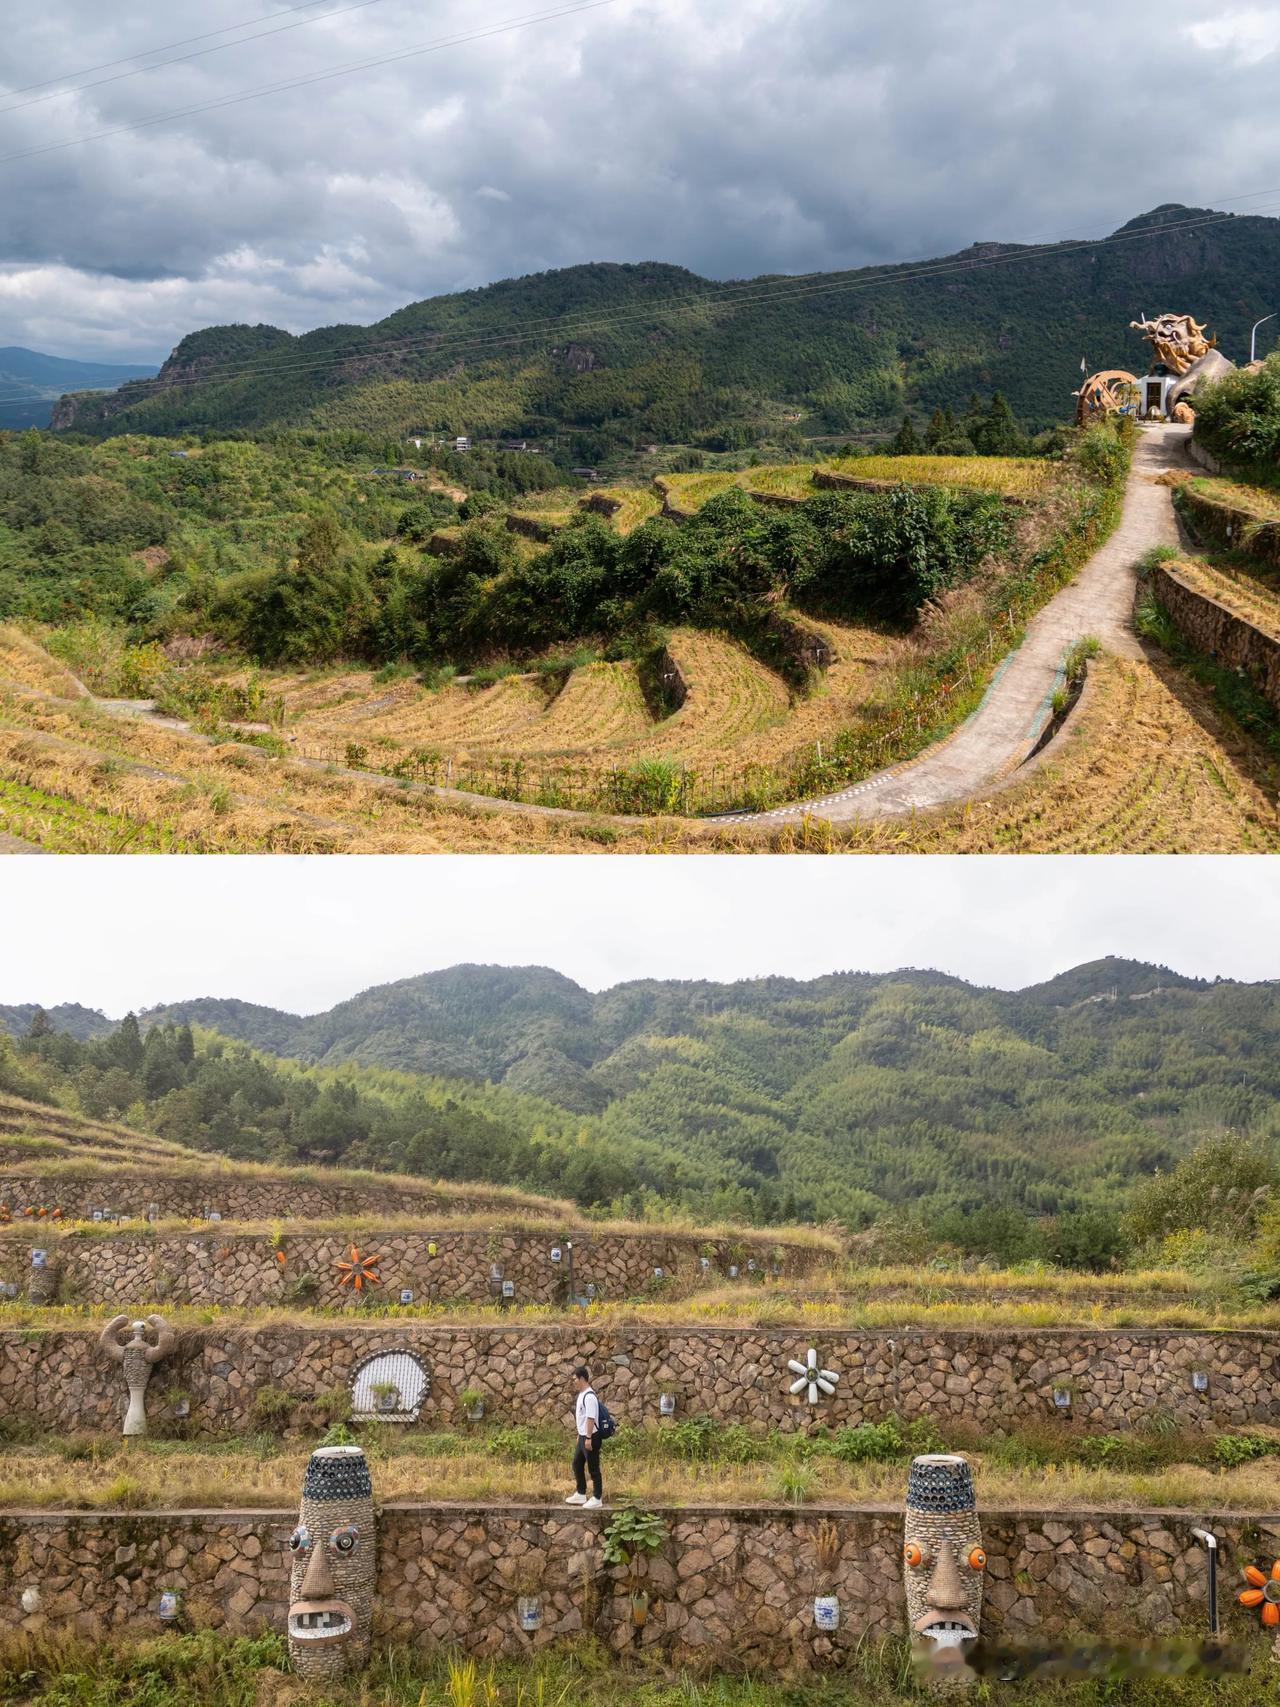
point(1253, 336)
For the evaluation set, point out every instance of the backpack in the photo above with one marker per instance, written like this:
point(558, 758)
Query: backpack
point(606, 1427)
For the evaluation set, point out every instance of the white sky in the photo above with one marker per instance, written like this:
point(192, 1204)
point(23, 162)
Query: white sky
point(301, 934)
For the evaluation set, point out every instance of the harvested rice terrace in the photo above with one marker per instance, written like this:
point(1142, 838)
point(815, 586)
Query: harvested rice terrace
point(570, 732)
point(1023, 479)
point(1148, 764)
point(1250, 594)
point(688, 1462)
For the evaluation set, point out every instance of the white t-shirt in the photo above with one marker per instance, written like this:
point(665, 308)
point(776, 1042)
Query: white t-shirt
point(587, 1406)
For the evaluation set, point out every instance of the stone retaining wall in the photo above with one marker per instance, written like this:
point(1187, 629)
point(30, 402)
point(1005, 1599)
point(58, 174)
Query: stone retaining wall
point(1218, 519)
point(1202, 456)
point(58, 1379)
point(242, 1198)
point(1213, 629)
point(220, 1267)
point(731, 1584)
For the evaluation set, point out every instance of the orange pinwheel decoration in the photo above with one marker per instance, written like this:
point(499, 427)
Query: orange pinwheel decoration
point(1263, 1591)
point(359, 1271)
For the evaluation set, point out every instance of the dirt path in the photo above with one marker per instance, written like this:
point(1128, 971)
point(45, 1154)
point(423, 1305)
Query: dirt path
point(1003, 732)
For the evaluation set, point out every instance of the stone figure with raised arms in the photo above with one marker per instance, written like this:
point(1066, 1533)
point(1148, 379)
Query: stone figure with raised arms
point(138, 1355)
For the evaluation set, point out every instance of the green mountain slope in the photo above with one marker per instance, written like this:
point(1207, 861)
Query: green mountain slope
point(608, 356)
point(31, 382)
point(839, 1095)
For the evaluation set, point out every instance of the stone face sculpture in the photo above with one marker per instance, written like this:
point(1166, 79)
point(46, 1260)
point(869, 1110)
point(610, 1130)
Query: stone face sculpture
point(943, 1559)
point(332, 1576)
point(138, 1355)
point(1176, 339)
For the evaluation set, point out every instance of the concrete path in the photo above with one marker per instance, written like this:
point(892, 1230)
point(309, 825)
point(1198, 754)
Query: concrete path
point(1005, 729)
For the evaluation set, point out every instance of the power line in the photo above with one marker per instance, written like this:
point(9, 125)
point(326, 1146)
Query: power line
point(185, 58)
point(730, 297)
point(166, 47)
point(505, 28)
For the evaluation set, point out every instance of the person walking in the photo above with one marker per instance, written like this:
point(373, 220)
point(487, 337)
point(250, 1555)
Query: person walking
point(586, 1455)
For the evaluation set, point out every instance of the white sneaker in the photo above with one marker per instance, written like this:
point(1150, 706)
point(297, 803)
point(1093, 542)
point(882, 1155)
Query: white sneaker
point(593, 1504)
point(578, 1499)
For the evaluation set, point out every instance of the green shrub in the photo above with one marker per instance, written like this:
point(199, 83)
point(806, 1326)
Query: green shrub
point(1231, 1450)
point(1223, 1187)
point(655, 786)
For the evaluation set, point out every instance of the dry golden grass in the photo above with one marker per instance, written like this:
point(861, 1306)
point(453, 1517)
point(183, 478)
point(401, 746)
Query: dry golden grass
point(1011, 476)
point(600, 705)
point(729, 697)
point(109, 1474)
point(405, 714)
point(24, 661)
point(1245, 595)
point(766, 1305)
point(74, 1133)
point(1257, 502)
point(634, 505)
point(1149, 767)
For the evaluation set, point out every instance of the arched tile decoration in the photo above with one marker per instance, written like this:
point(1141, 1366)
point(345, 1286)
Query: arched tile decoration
point(405, 1370)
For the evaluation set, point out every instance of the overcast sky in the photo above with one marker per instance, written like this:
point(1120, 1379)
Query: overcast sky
point(732, 136)
point(302, 934)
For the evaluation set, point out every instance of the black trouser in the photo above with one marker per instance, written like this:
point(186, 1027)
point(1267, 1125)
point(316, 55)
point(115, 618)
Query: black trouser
point(587, 1457)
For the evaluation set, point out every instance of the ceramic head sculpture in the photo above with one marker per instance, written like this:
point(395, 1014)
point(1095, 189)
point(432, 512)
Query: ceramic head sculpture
point(332, 1577)
point(943, 1560)
point(137, 1355)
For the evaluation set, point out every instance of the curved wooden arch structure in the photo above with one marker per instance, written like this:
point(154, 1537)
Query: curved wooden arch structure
point(1105, 393)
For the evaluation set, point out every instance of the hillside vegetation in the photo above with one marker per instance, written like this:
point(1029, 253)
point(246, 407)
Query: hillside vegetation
point(602, 358)
point(846, 1096)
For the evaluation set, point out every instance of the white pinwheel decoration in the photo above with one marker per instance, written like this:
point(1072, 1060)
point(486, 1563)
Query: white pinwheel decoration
point(815, 1379)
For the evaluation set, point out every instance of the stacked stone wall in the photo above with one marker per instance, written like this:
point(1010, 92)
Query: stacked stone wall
point(996, 1380)
point(1214, 630)
point(226, 1268)
point(731, 1585)
point(238, 1197)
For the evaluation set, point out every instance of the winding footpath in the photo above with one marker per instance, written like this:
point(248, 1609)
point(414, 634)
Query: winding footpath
point(1006, 728)
point(985, 750)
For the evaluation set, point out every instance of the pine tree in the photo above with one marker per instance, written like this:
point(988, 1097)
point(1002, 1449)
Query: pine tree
point(126, 1045)
point(906, 441)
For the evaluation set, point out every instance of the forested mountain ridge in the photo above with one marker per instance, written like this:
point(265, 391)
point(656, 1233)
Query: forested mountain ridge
point(605, 356)
point(841, 1095)
point(31, 382)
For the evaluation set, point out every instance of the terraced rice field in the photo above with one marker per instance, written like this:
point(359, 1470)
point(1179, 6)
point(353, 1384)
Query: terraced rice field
point(1150, 767)
point(599, 718)
point(1011, 476)
point(1255, 599)
point(403, 715)
point(600, 705)
point(24, 662)
point(74, 779)
point(634, 505)
point(34, 1132)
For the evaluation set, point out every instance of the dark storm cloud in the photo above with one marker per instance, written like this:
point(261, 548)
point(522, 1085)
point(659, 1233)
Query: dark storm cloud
point(732, 136)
